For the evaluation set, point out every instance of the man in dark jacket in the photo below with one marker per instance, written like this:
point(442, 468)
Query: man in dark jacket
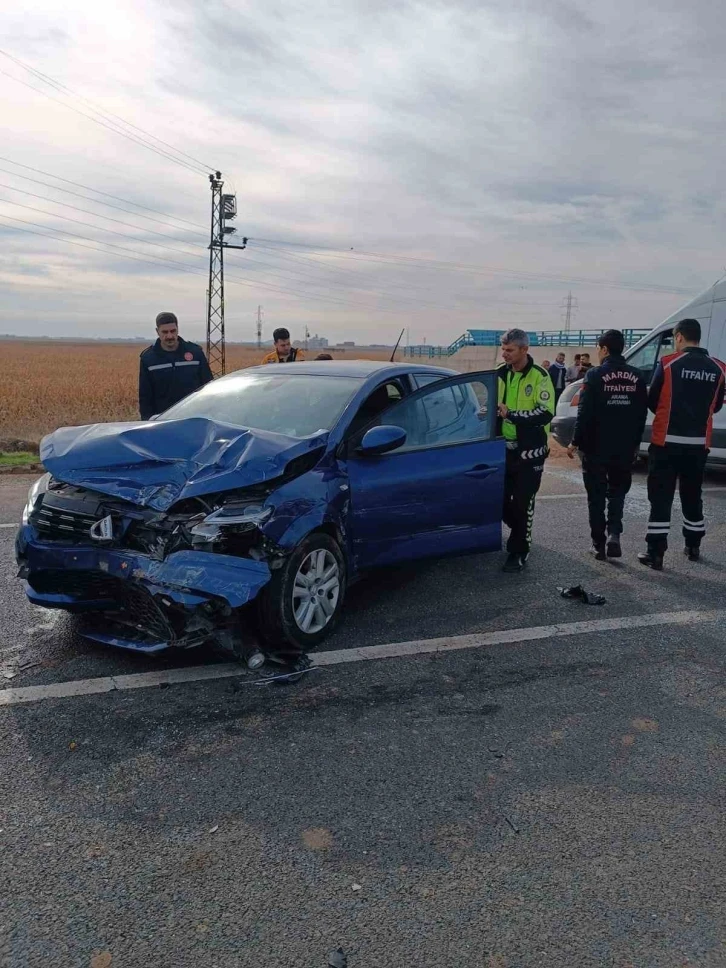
point(169, 370)
point(558, 375)
point(610, 421)
point(687, 389)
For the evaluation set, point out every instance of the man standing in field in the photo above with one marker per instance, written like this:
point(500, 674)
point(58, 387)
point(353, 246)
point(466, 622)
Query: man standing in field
point(169, 370)
point(283, 352)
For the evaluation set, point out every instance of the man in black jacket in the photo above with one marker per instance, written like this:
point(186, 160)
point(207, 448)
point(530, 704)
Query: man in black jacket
point(558, 375)
point(610, 421)
point(169, 370)
point(687, 389)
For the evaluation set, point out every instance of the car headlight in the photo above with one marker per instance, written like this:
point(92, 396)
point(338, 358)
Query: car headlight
point(231, 519)
point(36, 490)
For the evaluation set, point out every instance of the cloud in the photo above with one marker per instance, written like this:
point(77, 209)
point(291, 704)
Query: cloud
point(575, 140)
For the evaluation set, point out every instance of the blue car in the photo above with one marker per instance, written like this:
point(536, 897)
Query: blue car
point(242, 513)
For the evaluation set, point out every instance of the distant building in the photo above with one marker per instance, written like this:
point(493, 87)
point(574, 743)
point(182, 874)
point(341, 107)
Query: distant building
point(317, 342)
point(347, 343)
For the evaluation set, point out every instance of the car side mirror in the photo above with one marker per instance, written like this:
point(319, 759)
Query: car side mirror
point(381, 440)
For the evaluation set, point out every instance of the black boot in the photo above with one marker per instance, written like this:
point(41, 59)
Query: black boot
point(598, 550)
point(692, 553)
point(651, 559)
point(514, 563)
point(613, 548)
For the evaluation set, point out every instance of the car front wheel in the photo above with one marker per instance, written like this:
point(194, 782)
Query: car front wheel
point(302, 604)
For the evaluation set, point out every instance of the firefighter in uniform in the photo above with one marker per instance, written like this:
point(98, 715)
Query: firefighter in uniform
point(525, 399)
point(687, 389)
point(610, 422)
point(170, 369)
point(283, 352)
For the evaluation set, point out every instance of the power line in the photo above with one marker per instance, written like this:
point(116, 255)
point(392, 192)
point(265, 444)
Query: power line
point(304, 260)
point(107, 218)
point(77, 221)
point(87, 198)
point(98, 191)
point(360, 255)
point(203, 165)
point(184, 268)
point(107, 119)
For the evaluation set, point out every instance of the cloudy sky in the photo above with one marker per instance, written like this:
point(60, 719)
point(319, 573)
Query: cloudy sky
point(429, 165)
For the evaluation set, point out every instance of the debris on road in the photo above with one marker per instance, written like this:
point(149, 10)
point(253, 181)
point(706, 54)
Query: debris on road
point(582, 594)
point(214, 829)
point(357, 887)
point(499, 754)
point(513, 825)
point(337, 959)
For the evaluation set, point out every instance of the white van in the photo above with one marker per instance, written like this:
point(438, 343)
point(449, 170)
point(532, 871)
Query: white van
point(710, 310)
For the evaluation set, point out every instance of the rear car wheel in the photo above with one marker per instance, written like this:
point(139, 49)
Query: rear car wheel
point(302, 604)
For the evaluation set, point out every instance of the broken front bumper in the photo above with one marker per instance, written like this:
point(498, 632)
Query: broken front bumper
point(150, 605)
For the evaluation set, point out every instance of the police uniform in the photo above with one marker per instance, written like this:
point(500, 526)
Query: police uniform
point(687, 389)
point(610, 422)
point(295, 357)
point(167, 376)
point(530, 396)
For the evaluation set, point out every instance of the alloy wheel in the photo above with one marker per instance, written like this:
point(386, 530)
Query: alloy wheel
point(316, 591)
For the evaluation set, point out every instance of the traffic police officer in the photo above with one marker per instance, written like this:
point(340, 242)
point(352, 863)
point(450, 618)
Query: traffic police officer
point(169, 370)
point(687, 389)
point(610, 421)
point(525, 407)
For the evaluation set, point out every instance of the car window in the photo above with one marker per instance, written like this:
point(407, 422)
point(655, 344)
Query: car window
point(297, 405)
point(376, 402)
point(453, 414)
point(424, 379)
point(647, 356)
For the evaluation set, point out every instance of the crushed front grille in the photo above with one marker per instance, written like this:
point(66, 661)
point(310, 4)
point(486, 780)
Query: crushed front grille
point(61, 524)
point(131, 604)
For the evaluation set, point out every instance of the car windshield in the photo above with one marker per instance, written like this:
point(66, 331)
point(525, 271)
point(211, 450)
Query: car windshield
point(284, 403)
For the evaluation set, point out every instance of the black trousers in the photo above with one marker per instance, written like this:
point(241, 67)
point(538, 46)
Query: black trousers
point(667, 466)
point(521, 483)
point(607, 481)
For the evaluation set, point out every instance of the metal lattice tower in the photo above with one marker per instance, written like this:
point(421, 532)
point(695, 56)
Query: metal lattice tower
point(570, 306)
point(216, 353)
point(224, 209)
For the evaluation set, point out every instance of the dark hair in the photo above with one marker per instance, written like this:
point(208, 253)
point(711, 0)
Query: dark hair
point(690, 330)
point(577, 356)
point(323, 356)
point(281, 333)
point(613, 341)
point(166, 319)
point(583, 355)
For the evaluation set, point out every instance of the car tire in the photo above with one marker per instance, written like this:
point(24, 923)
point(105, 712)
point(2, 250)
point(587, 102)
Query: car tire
point(287, 604)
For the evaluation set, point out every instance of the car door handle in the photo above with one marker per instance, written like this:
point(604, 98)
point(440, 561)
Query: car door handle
point(480, 470)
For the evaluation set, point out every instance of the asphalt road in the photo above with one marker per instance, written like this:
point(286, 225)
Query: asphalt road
point(557, 801)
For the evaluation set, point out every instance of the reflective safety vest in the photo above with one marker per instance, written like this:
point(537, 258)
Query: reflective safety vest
point(530, 397)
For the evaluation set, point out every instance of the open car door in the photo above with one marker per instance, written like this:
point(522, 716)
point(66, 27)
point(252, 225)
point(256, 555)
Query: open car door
point(441, 491)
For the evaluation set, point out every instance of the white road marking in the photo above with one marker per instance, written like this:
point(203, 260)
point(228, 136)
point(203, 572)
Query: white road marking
point(557, 497)
point(144, 680)
point(16, 526)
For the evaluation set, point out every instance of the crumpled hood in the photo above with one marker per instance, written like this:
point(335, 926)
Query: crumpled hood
point(156, 463)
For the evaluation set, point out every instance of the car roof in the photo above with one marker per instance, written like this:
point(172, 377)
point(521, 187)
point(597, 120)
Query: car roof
point(361, 369)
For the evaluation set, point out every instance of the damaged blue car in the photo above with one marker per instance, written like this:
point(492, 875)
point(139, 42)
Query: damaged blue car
point(240, 515)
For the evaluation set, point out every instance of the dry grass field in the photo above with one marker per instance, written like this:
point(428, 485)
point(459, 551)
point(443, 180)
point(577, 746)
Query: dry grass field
point(51, 384)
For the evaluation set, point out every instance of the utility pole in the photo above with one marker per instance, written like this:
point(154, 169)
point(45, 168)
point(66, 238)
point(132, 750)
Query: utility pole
point(259, 327)
point(224, 208)
point(307, 336)
point(570, 307)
